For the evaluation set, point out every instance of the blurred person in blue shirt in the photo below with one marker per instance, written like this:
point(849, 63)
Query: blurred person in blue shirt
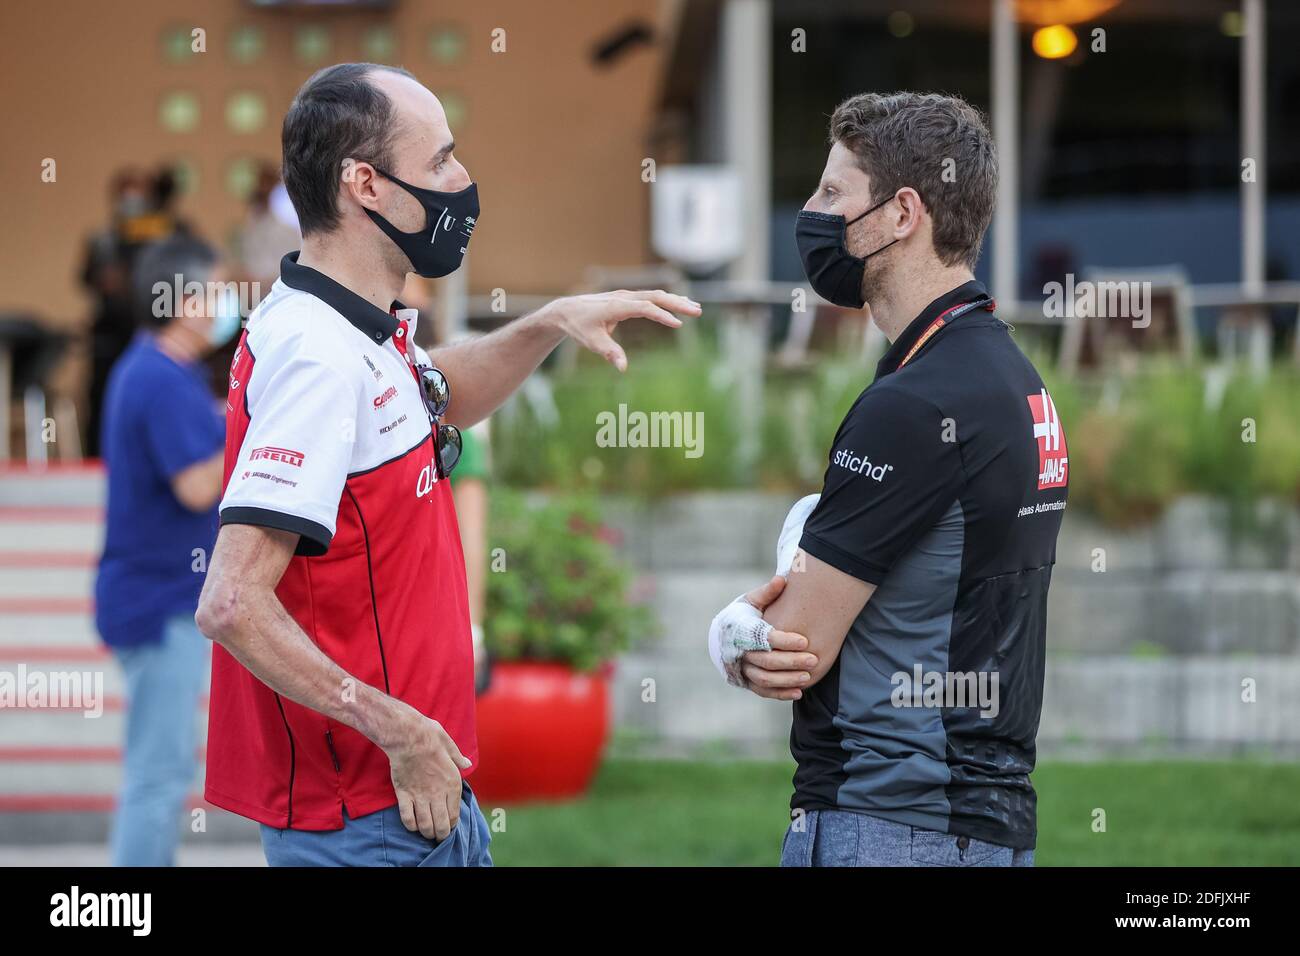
point(163, 446)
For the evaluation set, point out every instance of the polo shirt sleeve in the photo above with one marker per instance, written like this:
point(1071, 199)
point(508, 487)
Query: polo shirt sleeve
point(895, 468)
point(296, 453)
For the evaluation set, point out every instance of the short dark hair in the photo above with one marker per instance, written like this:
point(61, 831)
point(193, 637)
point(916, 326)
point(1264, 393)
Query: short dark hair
point(903, 139)
point(179, 258)
point(338, 113)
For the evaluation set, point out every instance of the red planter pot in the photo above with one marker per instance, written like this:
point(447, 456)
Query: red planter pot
point(541, 729)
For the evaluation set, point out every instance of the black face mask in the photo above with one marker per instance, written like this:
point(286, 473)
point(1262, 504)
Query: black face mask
point(437, 249)
point(834, 273)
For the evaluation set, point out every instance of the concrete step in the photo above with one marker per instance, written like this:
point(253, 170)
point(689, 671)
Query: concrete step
point(55, 632)
point(1211, 700)
point(1180, 612)
point(51, 536)
point(45, 780)
point(1173, 704)
point(55, 485)
point(41, 838)
point(34, 581)
point(46, 728)
point(196, 849)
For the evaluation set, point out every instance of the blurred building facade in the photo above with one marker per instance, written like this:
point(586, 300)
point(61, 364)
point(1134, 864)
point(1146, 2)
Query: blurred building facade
point(1129, 152)
point(1129, 156)
point(551, 123)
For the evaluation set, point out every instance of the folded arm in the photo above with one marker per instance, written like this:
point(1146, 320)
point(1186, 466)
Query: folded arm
point(820, 603)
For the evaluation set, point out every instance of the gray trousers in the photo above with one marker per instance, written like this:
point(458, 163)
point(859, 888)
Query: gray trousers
point(843, 838)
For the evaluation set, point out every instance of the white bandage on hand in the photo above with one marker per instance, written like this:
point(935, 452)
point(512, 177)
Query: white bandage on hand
point(739, 627)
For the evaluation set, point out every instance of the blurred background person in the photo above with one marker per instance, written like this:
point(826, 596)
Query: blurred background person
point(469, 490)
point(269, 230)
point(105, 273)
point(163, 446)
point(143, 210)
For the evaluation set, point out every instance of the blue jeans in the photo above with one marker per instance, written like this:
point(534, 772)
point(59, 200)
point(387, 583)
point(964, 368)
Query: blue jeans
point(163, 684)
point(380, 839)
point(843, 838)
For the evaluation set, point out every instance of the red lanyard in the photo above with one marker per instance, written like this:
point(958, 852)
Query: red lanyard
point(957, 310)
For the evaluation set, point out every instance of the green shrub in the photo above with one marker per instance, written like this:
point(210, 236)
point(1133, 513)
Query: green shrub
point(561, 453)
point(562, 593)
point(1137, 441)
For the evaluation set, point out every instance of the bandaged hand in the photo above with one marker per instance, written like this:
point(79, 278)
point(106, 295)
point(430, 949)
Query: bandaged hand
point(737, 628)
point(749, 653)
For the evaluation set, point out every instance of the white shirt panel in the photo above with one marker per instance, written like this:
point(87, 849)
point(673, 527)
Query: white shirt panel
point(324, 402)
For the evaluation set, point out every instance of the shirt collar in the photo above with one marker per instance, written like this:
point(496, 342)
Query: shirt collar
point(371, 320)
point(971, 291)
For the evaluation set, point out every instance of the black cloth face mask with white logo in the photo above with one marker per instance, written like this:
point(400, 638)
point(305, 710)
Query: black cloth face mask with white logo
point(834, 273)
point(437, 249)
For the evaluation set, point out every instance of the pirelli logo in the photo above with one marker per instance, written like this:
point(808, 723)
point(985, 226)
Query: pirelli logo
point(271, 453)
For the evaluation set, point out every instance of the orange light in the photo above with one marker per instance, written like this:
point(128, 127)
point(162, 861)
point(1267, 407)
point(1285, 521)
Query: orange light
point(1052, 43)
point(1047, 12)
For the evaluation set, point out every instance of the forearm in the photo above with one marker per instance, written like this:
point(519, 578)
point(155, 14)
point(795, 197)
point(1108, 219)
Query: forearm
point(484, 372)
point(821, 603)
point(786, 616)
point(266, 640)
point(198, 487)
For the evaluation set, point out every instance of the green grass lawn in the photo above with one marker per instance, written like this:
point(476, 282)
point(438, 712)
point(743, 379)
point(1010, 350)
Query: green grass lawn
point(691, 813)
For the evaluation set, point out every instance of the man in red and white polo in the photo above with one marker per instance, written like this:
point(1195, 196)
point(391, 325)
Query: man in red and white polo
point(342, 705)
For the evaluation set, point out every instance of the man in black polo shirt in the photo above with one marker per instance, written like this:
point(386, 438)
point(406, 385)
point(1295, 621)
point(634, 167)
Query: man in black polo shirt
point(921, 587)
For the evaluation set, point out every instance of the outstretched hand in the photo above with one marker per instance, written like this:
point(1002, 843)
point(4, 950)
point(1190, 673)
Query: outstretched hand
point(590, 320)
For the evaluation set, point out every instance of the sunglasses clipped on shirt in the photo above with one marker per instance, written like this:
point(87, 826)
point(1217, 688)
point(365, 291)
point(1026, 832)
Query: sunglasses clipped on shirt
point(437, 396)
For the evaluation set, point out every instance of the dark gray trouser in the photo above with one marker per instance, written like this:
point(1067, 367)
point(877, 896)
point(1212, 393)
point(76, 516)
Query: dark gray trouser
point(843, 838)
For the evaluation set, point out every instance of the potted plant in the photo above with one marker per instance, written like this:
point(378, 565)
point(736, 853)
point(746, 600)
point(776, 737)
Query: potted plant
point(557, 614)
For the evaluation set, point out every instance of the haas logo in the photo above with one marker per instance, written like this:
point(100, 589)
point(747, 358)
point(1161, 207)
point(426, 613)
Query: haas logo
point(1053, 459)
